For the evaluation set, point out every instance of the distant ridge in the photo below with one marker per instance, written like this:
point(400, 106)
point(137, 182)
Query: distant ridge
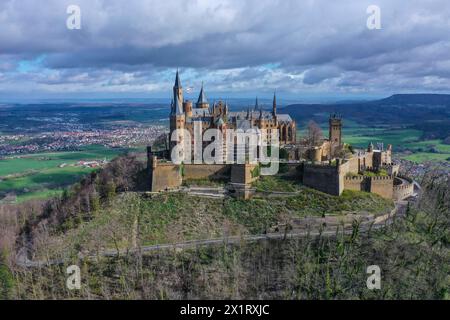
point(429, 113)
point(419, 98)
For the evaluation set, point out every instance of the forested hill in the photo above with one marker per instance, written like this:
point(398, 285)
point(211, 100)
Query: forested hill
point(417, 99)
point(427, 112)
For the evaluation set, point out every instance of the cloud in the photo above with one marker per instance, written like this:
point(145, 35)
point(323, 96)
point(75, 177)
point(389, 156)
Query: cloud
point(236, 46)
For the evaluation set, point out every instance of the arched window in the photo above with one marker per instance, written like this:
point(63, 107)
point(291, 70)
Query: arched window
point(283, 133)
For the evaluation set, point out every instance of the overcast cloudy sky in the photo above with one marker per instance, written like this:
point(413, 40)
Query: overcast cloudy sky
point(305, 49)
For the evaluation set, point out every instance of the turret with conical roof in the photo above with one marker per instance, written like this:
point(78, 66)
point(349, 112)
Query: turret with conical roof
point(178, 93)
point(202, 102)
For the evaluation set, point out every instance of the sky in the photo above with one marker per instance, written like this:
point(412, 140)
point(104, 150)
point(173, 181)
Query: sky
point(306, 50)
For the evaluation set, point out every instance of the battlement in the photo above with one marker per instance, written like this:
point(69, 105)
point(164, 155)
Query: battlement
point(403, 191)
point(382, 178)
point(354, 178)
point(402, 187)
point(376, 178)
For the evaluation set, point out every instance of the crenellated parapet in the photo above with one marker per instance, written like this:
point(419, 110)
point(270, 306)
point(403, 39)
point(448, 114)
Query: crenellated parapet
point(404, 189)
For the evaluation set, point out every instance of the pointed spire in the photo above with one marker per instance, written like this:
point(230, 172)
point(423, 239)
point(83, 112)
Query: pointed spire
point(274, 105)
point(177, 80)
point(202, 97)
point(256, 104)
point(178, 107)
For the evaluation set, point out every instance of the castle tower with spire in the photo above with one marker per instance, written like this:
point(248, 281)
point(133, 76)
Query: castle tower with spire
point(177, 115)
point(178, 90)
point(189, 116)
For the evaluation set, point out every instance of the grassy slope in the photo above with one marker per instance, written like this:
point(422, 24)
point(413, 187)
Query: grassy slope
point(413, 254)
point(176, 217)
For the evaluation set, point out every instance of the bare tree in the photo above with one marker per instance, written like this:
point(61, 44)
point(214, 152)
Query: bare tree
point(314, 134)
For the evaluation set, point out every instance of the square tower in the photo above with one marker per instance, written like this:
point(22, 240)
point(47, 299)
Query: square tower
point(335, 130)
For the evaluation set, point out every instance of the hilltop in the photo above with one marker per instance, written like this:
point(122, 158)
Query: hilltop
point(108, 210)
point(313, 267)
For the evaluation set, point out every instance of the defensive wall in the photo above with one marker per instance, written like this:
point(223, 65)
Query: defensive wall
point(165, 175)
point(325, 178)
point(403, 190)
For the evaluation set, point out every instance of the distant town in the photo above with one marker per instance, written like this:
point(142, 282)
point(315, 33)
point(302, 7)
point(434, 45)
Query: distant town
point(17, 144)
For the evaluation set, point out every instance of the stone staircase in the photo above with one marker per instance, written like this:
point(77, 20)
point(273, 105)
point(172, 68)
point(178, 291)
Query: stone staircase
point(207, 192)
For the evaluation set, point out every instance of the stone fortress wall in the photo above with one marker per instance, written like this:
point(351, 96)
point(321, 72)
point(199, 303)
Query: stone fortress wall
point(325, 178)
point(206, 171)
point(165, 175)
point(403, 190)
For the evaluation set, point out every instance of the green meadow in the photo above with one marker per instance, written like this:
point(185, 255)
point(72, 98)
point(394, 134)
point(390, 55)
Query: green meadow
point(401, 138)
point(39, 176)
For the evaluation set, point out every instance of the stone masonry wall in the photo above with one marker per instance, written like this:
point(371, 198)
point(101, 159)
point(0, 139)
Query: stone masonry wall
point(404, 190)
point(357, 183)
point(206, 171)
point(165, 176)
point(242, 173)
point(324, 178)
point(383, 186)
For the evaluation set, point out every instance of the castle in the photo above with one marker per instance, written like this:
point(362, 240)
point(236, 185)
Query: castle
point(328, 165)
point(183, 115)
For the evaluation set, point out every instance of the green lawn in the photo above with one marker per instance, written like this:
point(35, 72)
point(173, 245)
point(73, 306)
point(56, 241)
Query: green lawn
point(37, 176)
point(363, 136)
point(43, 182)
point(421, 157)
point(39, 161)
point(360, 136)
point(273, 183)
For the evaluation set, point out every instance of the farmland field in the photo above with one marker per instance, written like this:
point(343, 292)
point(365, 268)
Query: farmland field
point(401, 138)
point(37, 176)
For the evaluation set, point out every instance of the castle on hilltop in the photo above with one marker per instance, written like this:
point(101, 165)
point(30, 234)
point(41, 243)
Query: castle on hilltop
point(184, 115)
point(328, 165)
